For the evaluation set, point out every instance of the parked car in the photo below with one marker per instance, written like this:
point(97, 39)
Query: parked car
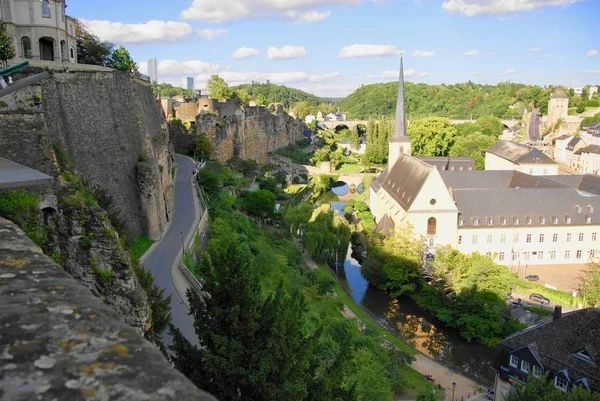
point(490, 393)
point(516, 303)
point(430, 256)
point(539, 298)
point(532, 277)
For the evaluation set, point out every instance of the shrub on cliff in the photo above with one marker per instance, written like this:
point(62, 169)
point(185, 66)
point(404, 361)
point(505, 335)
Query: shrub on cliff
point(22, 209)
point(260, 203)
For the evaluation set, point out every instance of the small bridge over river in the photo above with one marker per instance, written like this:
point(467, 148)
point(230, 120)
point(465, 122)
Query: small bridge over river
point(351, 124)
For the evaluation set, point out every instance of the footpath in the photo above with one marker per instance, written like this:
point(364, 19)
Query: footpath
point(466, 389)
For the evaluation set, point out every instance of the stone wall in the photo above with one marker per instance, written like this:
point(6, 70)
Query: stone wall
point(60, 343)
point(106, 122)
point(248, 133)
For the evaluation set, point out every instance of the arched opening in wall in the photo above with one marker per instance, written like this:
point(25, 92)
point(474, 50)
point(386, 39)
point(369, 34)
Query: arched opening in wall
point(26, 47)
point(361, 129)
point(63, 50)
point(72, 51)
point(47, 49)
point(341, 127)
point(48, 213)
point(431, 226)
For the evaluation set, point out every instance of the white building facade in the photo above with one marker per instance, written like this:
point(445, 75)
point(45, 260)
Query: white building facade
point(40, 30)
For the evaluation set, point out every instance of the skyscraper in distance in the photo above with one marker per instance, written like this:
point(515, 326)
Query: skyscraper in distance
point(190, 83)
point(153, 70)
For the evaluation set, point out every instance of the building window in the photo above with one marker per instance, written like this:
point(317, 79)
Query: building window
point(475, 238)
point(568, 219)
point(590, 209)
point(593, 236)
point(431, 226)
point(554, 237)
point(555, 220)
point(501, 256)
point(516, 239)
point(561, 383)
point(552, 255)
point(578, 254)
point(516, 221)
point(432, 201)
point(528, 240)
point(542, 220)
point(580, 237)
point(490, 221)
point(461, 221)
point(540, 255)
point(72, 53)
point(541, 237)
point(489, 239)
point(503, 239)
point(537, 371)
point(569, 237)
point(515, 255)
point(579, 209)
point(26, 47)
point(588, 219)
point(503, 220)
point(592, 254)
point(529, 220)
point(514, 361)
point(459, 239)
point(525, 366)
point(475, 221)
point(46, 8)
point(488, 255)
point(567, 254)
point(526, 255)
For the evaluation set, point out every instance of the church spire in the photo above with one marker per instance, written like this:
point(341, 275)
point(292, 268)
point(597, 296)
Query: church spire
point(400, 127)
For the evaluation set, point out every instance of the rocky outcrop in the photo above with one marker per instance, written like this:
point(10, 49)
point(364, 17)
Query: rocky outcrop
point(248, 133)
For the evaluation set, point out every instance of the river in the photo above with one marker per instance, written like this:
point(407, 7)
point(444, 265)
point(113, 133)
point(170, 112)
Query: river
point(419, 328)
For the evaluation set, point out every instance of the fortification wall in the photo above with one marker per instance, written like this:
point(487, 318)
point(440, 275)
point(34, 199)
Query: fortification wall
point(248, 133)
point(107, 122)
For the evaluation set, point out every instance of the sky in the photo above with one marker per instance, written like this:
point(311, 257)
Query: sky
point(332, 47)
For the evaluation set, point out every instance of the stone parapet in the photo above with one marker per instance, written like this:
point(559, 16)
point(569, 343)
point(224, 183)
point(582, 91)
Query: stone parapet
point(59, 342)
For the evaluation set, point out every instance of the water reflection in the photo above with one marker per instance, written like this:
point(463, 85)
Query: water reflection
point(340, 188)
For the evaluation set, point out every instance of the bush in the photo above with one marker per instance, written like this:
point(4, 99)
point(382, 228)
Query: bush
point(21, 208)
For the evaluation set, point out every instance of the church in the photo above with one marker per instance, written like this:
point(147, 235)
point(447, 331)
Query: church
point(509, 215)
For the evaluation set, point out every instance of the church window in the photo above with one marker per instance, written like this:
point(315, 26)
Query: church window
point(26, 47)
point(46, 8)
point(432, 201)
point(431, 226)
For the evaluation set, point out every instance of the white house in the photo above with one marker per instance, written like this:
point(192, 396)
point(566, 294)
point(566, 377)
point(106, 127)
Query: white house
point(506, 155)
point(309, 118)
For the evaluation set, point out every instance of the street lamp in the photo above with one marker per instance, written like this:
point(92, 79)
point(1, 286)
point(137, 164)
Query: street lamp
point(453, 387)
point(182, 246)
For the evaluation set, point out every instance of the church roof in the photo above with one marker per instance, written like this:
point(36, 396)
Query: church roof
point(385, 225)
point(531, 206)
point(587, 183)
point(405, 179)
point(449, 163)
point(519, 154)
point(500, 179)
point(559, 93)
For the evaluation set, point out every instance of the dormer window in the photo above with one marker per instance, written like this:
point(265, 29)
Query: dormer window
point(561, 383)
point(525, 366)
point(461, 221)
point(568, 219)
point(583, 355)
point(529, 220)
point(514, 361)
point(503, 221)
point(590, 209)
point(542, 220)
point(588, 219)
point(537, 371)
point(554, 220)
point(516, 221)
point(578, 208)
point(475, 221)
point(490, 221)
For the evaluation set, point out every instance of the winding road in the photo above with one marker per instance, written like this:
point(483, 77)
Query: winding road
point(534, 126)
point(165, 256)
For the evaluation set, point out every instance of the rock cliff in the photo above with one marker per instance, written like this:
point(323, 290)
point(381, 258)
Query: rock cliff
point(248, 133)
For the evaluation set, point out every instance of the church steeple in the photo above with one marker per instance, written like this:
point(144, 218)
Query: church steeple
point(400, 127)
point(399, 142)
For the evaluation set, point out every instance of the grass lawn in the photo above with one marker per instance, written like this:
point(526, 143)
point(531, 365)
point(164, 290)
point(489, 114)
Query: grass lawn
point(140, 246)
point(557, 297)
point(349, 169)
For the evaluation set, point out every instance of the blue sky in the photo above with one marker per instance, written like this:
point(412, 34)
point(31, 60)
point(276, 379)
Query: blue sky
point(331, 47)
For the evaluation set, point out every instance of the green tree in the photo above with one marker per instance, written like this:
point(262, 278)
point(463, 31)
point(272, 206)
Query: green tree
point(589, 286)
point(473, 146)
point(432, 136)
point(490, 126)
point(248, 349)
point(121, 60)
point(326, 236)
point(203, 146)
point(218, 88)
point(260, 203)
point(427, 396)
point(90, 49)
point(7, 49)
point(296, 217)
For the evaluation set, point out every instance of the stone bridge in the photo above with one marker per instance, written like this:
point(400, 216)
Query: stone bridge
point(507, 123)
point(351, 124)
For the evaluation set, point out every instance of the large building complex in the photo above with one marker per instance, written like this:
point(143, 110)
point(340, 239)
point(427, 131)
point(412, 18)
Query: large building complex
point(511, 215)
point(40, 29)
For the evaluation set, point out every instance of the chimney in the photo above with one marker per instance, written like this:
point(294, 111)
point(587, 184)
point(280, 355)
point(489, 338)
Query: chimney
point(557, 313)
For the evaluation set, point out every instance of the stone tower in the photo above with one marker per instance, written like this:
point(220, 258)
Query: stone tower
point(558, 107)
point(399, 142)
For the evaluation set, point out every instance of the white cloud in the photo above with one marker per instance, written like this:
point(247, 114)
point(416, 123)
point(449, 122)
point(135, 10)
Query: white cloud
point(593, 72)
point(219, 11)
point(308, 17)
point(536, 49)
point(471, 8)
point(174, 68)
point(472, 53)
point(211, 33)
point(592, 52)
point(365, 50)
point(394, 74)
point(245, 52)
point(510, 71)
point(324, 77)
point(423, 53)
point(148, 32)
point(285, 52)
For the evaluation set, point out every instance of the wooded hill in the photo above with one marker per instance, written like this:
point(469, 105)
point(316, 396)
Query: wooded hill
point(458, 101)
point(267, 93)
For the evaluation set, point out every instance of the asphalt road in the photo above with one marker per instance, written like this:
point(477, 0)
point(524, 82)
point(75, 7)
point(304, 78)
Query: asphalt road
point(534, 126)
point(168, 250)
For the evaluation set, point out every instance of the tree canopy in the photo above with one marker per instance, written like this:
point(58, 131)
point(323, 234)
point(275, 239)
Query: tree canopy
point(473, 146)
point(431, 136)
point(7, 49)
point(90, 49)
point(589, 286)
point(260, 203)
point(121, 60)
